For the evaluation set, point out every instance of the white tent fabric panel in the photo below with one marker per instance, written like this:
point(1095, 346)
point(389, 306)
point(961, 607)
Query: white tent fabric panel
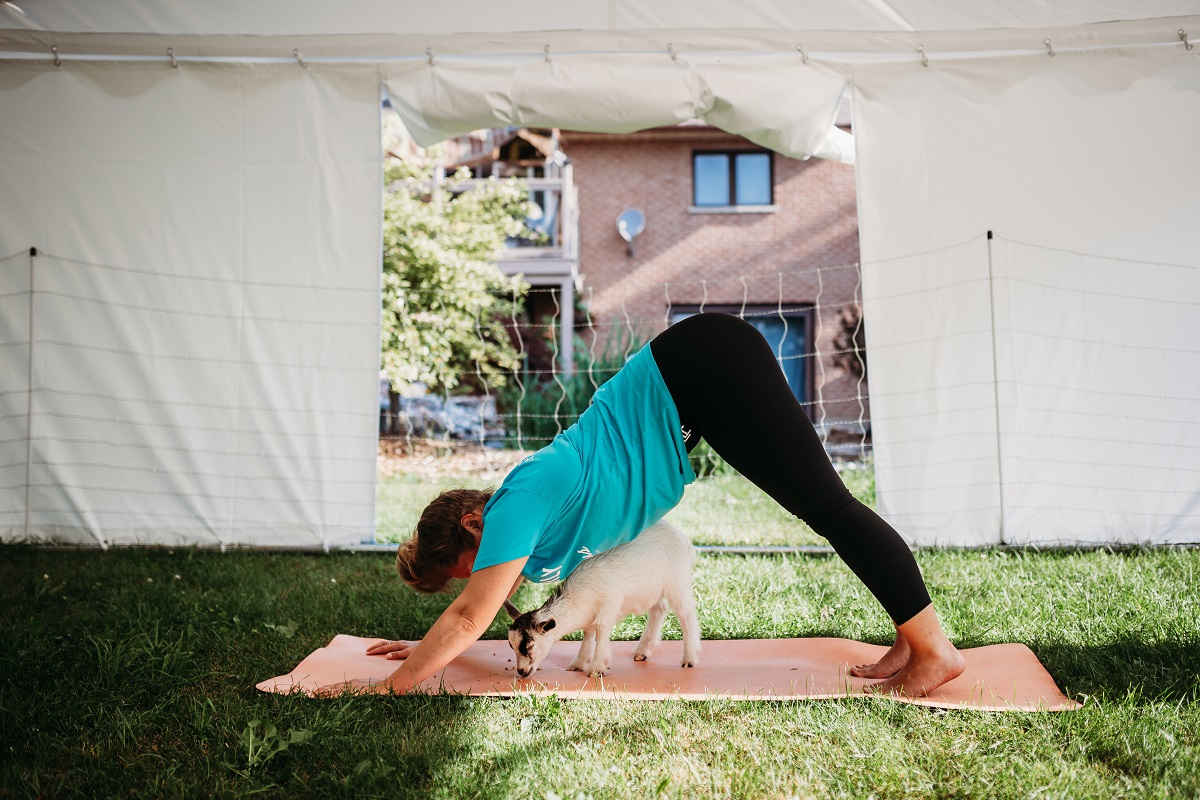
point(1100, 399)
point(14, 384)
point(792, 113)
point(931, 385)
point(192, 354)
point(265, 18)
point(1041, 394)
point(205, 305)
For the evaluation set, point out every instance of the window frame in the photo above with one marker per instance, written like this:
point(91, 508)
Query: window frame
point(732, 154)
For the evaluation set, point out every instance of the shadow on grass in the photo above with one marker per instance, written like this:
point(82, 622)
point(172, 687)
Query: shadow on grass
point(380, 746)
point(1128, 668)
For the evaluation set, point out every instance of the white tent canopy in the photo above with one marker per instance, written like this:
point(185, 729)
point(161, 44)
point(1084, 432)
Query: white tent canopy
point(189, 355)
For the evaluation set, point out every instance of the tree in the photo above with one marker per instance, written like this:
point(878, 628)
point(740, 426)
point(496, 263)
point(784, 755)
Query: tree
point(851, 342)
point(445, 303)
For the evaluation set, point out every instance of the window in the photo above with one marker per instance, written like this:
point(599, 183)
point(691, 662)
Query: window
point(788, 333)
point(737, 178)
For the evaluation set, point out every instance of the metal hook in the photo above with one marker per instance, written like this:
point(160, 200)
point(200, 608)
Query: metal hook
point(429, 53)
point(671, 52)
point(1050, 47)
point(924, 58)
point(171, 55)
point(546, 52)
point(803, 55)
point(299, 60)
point(1183, 37)
point(57, 60)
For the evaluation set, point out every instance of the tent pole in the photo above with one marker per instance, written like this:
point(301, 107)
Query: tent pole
point(29, 407)
point(996, 390)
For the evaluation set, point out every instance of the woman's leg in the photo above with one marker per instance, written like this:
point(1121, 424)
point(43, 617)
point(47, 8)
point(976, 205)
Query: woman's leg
point(729, 390)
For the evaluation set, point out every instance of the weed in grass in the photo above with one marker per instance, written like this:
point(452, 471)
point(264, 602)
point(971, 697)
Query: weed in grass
point(262, 741)
point(368, 777)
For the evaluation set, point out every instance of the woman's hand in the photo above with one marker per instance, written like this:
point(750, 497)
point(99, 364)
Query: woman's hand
point(467, 616)
point(392, 650)
point(463, 621)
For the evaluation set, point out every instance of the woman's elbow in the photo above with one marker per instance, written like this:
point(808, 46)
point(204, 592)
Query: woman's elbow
point(470, 621)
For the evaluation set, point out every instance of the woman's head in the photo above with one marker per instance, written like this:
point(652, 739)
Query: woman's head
point(426, 561)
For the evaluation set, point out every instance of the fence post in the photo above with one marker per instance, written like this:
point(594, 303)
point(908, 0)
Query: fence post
point(567, 326)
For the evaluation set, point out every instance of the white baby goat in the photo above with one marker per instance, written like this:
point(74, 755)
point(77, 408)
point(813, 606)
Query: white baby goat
point(652, 573)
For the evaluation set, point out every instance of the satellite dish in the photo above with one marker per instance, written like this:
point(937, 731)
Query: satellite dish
point(630, 223)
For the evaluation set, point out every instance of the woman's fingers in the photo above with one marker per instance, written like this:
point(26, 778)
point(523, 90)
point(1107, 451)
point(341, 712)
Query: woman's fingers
point(389, 648)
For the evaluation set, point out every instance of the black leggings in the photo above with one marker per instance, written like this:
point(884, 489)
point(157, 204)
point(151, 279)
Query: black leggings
point(730, 391)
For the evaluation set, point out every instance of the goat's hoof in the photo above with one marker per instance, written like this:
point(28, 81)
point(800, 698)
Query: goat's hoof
point(638, 657)
point(596, 674)
point(687, 665)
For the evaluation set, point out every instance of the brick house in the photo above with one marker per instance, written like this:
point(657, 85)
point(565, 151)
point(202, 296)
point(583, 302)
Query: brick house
point(728, 227)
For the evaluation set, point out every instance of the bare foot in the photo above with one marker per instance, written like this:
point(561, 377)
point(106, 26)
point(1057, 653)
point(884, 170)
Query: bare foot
point(932, 660)
point(921, 675)
point(891, 663)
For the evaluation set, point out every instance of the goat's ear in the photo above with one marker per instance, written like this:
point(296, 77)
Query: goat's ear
point(512, 610)
point(548, 625)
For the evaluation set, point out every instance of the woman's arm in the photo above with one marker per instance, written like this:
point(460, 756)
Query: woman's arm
point(463, 622)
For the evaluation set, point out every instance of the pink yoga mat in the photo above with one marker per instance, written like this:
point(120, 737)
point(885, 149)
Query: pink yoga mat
point(1001, 677)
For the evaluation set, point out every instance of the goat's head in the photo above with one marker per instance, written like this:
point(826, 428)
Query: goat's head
point(531, 640)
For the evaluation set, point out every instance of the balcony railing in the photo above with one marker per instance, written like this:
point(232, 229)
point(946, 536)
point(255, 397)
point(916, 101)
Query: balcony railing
point(555, 219)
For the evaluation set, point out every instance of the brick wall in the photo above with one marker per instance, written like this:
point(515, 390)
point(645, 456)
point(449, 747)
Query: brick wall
point(733, 258)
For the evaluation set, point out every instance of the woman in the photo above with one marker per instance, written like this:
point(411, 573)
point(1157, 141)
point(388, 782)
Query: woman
point(624, 464)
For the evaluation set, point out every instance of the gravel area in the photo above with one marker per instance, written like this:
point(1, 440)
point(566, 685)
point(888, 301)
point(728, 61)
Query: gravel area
point(440, 459)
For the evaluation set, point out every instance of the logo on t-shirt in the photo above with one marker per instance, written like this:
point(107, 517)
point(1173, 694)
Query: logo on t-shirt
point(551, 575)
point(585, 552)
point(687, 433)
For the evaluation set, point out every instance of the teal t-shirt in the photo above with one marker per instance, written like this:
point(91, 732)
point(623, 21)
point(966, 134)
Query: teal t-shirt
point(601, 482)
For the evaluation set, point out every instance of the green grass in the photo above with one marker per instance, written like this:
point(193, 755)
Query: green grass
point(118, 678)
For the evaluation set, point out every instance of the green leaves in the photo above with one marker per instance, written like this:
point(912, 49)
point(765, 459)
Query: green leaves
point(261, 742)
point(445, 302)
point(366, 774)
point(287, 630)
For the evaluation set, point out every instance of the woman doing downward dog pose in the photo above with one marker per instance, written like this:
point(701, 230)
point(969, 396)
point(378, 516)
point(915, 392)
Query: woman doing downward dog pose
point(624, 465)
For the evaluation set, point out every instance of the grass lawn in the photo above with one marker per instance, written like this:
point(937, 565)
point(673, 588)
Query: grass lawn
point(131, 673)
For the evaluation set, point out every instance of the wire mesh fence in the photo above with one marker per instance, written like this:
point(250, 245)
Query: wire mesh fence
point(811, 317)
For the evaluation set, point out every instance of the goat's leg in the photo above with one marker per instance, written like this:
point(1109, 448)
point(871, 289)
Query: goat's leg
point(651, 637)
point(587, 649)
point(685, 610)
point(603, 655)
